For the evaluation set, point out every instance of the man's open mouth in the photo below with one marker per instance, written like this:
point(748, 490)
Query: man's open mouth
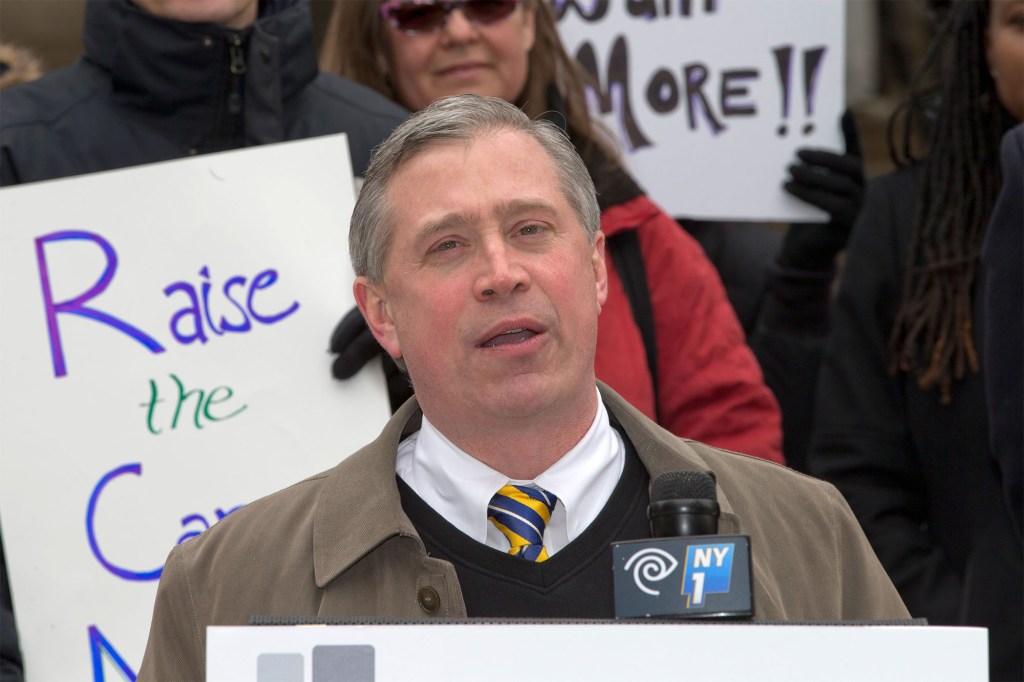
point(509, 337)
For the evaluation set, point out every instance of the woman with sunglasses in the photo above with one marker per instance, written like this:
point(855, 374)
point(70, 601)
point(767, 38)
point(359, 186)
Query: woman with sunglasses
point(698, 379)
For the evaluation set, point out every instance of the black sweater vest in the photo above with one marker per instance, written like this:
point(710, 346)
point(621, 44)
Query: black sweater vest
point(574, 583)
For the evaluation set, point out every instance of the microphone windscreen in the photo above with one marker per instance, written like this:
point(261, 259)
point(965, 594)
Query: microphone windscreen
point(684, 485)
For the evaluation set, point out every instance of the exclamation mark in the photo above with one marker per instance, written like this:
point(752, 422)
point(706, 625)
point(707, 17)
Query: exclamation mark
point(812, 60)
point(783, 57)
point(686, 6)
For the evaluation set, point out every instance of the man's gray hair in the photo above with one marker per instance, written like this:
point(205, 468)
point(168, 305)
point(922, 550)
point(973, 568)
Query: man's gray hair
point(460, 118)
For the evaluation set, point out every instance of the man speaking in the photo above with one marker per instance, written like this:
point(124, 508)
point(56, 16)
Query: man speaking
point(498, 489)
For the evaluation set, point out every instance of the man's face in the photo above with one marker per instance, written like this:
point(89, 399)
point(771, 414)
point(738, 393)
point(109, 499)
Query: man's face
point(492, 289)
point(231, 13)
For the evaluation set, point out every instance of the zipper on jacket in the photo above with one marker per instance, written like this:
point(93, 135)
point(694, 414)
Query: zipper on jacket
point(229, 132)
point(238, 68)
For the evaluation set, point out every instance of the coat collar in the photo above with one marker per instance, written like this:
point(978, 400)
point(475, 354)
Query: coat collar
point(159, 64)
point(345, 531)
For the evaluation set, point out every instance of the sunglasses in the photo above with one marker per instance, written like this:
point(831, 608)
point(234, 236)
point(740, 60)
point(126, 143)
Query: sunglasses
point(425, 17)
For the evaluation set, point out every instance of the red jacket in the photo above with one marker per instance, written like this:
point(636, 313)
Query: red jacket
point(710, 386)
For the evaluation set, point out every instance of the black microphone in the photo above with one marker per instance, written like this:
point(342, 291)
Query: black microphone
point(687, 570)
point(683, 503)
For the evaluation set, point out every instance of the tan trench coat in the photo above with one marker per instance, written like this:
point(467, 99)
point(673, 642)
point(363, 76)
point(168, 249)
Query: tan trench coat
point(338, 544)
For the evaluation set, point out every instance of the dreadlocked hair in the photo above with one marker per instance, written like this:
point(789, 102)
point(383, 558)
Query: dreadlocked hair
point(961, 122)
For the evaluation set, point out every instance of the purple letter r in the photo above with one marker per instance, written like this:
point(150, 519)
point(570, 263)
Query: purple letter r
point(76, 306)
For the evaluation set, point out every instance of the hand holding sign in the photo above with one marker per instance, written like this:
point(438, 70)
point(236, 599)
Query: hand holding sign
point(835, 184)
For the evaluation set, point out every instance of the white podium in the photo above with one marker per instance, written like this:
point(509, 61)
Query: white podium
point(595, 651)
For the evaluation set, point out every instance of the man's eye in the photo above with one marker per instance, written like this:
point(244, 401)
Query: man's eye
point(447, 245)
point(531, 229)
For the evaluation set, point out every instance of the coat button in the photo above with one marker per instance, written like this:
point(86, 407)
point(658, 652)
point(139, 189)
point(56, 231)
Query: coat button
point(207, 41)
point(428, 599)
point(265, 55)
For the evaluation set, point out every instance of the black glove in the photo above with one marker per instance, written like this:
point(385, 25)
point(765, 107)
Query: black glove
point(355, 346)
point(833, 183)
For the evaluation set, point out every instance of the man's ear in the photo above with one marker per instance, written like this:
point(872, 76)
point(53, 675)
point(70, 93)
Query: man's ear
point(373, 304)
point(600, 269)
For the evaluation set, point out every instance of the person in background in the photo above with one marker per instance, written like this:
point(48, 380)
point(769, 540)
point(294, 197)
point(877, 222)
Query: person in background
point(489, 294)
point(780, 282)
point(669, 342)
point(165, 79)
point(11, 664)
point(1002, 260)
point(901, 425)
point(17, 65)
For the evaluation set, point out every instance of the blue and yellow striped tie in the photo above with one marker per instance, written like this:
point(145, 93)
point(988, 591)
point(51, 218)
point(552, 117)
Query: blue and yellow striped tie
point(521, 513)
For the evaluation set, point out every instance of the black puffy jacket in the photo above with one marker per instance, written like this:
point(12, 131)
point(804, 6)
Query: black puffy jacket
point(149, 89)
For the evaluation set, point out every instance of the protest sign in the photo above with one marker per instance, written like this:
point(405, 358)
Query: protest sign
point(709, 99)
point(164, 361)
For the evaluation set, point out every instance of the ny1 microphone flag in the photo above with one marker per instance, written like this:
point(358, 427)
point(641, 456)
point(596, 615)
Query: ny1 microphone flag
point(701, 576)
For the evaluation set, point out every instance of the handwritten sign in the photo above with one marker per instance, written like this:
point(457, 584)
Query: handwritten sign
point(164, 361)
point(709, 99)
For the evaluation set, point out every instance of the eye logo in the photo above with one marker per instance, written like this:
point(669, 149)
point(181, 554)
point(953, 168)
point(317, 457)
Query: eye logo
point(651, 565)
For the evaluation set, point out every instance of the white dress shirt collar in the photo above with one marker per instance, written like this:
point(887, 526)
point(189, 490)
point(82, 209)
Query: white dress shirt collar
point(459, 487)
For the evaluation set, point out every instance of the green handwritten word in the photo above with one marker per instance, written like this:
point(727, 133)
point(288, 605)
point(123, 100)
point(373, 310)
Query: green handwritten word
point(205, 404)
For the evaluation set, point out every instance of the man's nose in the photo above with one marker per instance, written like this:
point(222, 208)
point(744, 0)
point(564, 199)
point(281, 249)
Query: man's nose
point(501, 273)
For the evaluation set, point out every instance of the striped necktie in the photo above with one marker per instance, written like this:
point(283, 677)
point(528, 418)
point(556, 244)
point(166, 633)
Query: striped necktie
point(521, 513)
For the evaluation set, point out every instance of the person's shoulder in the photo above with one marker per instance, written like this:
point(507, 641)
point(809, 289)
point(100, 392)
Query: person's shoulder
point(358, 99)
point(279, 516)
point(883, 227)
point(659, 234)
point(1012, 145)
point(738, 467)
point(54, 96)
point(632, 214)
point(760, 490)
point(895, 188)
point(287, 516)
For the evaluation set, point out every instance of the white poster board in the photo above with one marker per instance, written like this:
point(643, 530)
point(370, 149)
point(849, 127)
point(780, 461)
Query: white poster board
point(596, 652)
point(709, 99)
point(163, 358)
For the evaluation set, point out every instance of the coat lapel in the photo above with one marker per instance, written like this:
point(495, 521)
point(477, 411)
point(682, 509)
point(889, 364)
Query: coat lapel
point(359, 506)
